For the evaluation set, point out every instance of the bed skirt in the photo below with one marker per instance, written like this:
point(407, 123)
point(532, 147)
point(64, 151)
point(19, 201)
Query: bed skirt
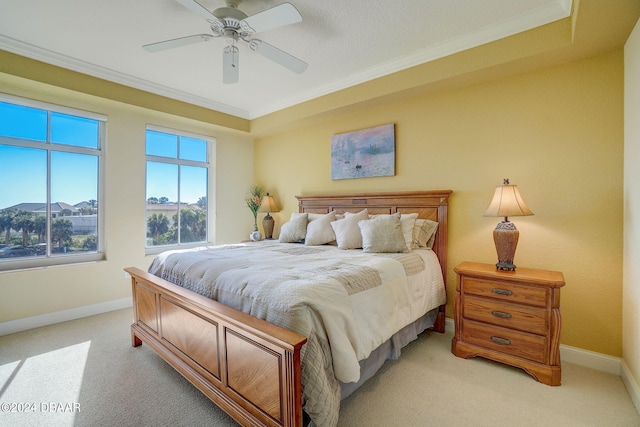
point(390, 349)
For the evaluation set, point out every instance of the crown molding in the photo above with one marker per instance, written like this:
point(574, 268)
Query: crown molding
point(43, 55)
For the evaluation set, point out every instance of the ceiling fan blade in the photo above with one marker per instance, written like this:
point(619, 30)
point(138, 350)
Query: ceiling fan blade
point(278, 16)
point(230, 65)
point(197, 8)
point(276, 55)
point(182, 41)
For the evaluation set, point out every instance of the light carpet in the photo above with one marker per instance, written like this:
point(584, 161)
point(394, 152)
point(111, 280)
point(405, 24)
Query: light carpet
point(85, 373)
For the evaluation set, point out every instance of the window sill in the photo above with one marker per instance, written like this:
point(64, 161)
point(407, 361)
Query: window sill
point(34, 263)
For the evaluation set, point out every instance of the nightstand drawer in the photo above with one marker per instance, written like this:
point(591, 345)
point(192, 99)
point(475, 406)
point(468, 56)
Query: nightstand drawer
point(515, 343)
point(515, 316)
point(536, 296)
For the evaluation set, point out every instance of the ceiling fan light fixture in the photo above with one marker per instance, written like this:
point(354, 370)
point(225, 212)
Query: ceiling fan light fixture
point(232, 53)
point(230, 65)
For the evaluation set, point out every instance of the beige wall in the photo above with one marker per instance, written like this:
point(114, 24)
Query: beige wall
point(631, 289)
point(556, 133)
point(40, 291)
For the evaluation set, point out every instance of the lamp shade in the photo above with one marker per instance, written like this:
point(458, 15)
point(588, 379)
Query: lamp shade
point(507, 202)
point(268, 204)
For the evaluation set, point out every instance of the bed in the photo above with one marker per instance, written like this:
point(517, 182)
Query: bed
point(253, 364)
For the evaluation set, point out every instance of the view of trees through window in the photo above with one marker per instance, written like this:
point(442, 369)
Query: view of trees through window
point(176, 203)
point(192, 223)
point(49, 165)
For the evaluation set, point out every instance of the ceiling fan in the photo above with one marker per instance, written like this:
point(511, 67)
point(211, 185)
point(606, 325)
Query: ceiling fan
point(234, 25)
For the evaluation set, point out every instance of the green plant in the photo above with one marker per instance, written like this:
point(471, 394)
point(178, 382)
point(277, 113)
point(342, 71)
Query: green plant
point(253, 200)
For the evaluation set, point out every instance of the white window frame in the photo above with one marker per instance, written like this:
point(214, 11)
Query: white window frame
point(67, 259)
point(211, 141)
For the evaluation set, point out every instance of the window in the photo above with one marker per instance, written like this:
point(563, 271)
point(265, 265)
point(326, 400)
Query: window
point(177, 190)
point(50, 165)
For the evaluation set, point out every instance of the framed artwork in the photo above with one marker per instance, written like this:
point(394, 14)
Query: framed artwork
point(364, 153)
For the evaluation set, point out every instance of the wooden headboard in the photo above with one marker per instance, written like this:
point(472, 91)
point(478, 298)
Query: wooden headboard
point(427, 204)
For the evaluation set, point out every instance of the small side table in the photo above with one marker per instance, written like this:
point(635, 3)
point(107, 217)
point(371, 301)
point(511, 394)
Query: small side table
point(512, 317)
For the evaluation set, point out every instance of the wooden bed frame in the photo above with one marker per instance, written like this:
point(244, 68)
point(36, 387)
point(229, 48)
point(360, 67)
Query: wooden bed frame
point(251, 368)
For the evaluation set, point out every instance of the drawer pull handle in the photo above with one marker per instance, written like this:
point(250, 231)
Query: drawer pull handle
point(501, 291)
point(501, 314)
point(501, 340)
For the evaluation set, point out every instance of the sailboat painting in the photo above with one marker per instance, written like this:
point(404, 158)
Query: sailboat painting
point(364, 153)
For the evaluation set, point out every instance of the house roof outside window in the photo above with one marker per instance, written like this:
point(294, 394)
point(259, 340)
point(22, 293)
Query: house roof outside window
point(41, 208)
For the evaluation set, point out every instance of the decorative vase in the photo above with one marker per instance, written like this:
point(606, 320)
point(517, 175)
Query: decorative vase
point(255, 235)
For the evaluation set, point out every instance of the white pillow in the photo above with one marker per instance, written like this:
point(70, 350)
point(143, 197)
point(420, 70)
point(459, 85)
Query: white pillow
point(408, 221)
point(295, 229)
point(383, 234)
point(319, 231)
point(424, 233)
point(347, 231)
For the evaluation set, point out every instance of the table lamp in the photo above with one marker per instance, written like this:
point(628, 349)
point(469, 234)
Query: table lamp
point(506, 202)
point(268, 205)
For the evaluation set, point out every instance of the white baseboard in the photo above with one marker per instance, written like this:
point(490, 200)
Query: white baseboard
point(19, 325)
point(590, 359)
point(631, 384)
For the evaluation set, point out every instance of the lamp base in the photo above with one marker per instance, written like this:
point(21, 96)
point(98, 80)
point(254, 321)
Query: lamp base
point(505, 236)
point(267, 226)
point(505, 266)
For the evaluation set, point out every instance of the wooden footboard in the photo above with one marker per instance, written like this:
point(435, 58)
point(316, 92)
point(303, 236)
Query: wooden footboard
point(247, 366)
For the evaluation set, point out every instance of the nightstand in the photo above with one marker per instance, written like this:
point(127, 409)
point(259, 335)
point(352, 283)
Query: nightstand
point(512, 317)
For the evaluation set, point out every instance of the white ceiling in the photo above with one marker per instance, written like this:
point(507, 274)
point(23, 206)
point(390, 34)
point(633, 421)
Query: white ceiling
point(344, 42)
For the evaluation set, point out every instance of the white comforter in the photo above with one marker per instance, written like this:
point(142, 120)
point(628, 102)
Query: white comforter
point(345, 302)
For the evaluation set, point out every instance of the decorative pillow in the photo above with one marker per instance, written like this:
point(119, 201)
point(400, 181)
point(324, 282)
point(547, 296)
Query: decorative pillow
point(408, 222)
point(347, 231)
point(424, 233)
point(319, 231)
point(295, 229)
point(383, 234)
